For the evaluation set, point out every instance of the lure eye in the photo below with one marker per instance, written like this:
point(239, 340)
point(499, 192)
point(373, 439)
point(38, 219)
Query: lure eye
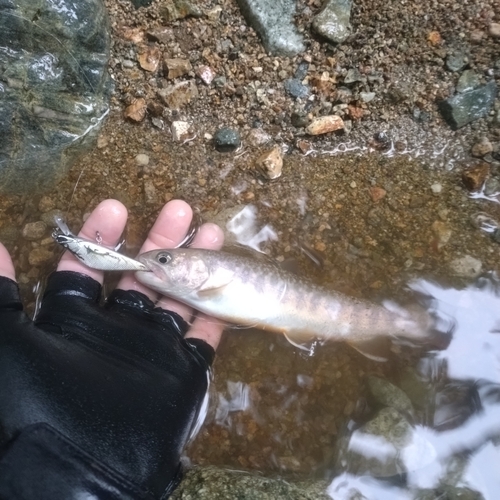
point(164, 258)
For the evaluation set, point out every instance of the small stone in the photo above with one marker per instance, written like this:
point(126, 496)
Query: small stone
point(174, 68)
point(206, 73)
point(257, 137)
point(353, 185)
point(102, 141)
point(172, 10)
point(178, 95)
point(304, 146)
point(367, 96)
point(436, 188)
point(442, 234)
point(299, 119)
point(137, 110)
point(142, 159)
point(158, 123)
point(150, 192)
point(155, 108)
point(482, 148)
point(333, 21)
point(50, 217)
point(149, 58)
point(477, 36)
point(46, 203)
point(214, 14)
point(34, 230)
point(39, 256)
point(456, 61)
point(270, 163)
point(161, 35)
point(434, 38)
point(227, 140)
point(464, 108)
point(468, 81)
point(181, 131)
point(128, 64)
point(353, 75)
point(474, 177)
point(325, 124)
point(377, 193)
point(494, 30)
point(492, 187)
point(295, 88)
point(466, 267)
point(387, 394)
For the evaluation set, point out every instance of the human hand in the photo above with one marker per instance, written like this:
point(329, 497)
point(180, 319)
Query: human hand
point(95, 399)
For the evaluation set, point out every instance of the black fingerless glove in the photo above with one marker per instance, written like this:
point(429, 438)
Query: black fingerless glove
point(95, 402)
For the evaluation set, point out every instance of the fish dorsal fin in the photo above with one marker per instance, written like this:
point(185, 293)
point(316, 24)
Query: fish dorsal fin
point(216, 282)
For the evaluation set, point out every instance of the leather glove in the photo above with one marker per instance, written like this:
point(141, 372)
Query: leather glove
point(95, 401)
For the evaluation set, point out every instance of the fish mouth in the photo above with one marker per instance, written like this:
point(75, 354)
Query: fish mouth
point(151, 265)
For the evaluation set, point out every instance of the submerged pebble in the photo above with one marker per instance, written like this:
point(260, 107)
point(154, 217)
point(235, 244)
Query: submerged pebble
point(466, 267)
point(227, 140)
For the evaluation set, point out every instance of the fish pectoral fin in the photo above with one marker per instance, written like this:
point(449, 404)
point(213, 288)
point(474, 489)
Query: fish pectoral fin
point(215, 283)
point(302, 340)
point(378, 349)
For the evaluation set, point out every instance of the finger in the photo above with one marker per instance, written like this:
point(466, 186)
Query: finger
point(6, 265)
point(168, 231)
point(108, 221)
point(209, 236)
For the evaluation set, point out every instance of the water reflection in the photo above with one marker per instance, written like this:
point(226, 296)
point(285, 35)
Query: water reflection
point(454, 450)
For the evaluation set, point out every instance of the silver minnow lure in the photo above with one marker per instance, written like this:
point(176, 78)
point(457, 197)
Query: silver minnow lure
point(244, 291)
point(92, 254)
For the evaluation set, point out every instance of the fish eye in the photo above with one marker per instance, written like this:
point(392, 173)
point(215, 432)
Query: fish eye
point(164, 258)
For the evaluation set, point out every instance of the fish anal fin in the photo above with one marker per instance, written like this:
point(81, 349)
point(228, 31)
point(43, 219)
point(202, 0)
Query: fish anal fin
point(377, 349)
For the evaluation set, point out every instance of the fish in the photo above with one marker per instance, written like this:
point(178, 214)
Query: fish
point(241, 290)
point(93, 254)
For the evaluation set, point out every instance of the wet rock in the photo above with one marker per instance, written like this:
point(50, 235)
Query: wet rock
point(270, 163)
point(353, 75)
point(494, 30)
point(34, 230)
point(206, 73)
point(257, 137)
point(178, 95)
point(468, 81)
point(325, 124)
point(55, 87)
point(437, 188)
point(50, 217)
point(141, 3)
point(466, 267)
point(385, 446)
point(367, 96)
point(137, 110)
point(46, 203)
point(181, 131)
point(174, 68)
point(456, 61)
point(491, 186)
point(273, 21)
point(467, 107)
point(333, 21)
point(387, 394)
point(209, 483)
point(299, 119)
point(142, 159)
point(161, 35)
point(474, 177)
point(39, 256)
point(301, 71)
point(442, 234)
point(149, 58)
point(377, 193)
point(172, 10)
point(295, 88)
point(482, 147)
point(227, 140)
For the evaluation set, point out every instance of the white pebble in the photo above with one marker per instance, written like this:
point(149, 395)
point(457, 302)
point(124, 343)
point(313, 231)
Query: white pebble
point(436, 188)
point(142, 159)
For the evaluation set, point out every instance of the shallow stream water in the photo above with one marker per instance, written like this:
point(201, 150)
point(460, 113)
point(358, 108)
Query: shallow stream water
point(279, 410)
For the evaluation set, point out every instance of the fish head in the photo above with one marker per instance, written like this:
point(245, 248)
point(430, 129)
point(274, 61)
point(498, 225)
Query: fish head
point(176, 272)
